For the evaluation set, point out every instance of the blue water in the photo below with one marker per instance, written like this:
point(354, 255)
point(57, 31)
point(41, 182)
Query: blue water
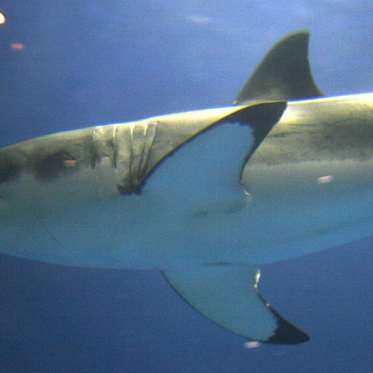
point(94, 62)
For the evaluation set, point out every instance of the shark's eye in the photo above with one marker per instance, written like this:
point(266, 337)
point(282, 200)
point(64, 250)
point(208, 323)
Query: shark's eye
point(51, 166)
point(9, 169)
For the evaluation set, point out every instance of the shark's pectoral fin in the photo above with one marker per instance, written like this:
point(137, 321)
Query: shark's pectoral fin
point(208, 165)
point(284, 73)
point(229, 296)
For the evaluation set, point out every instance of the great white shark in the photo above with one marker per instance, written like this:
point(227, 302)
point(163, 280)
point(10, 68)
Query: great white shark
point(205, 196)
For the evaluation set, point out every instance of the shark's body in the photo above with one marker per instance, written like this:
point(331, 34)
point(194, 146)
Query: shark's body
point(205, 196)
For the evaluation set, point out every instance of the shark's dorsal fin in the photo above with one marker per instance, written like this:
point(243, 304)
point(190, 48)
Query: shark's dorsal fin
point(284, 73)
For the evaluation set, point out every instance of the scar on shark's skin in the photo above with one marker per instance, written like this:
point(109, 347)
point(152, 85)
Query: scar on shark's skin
point(210, 194)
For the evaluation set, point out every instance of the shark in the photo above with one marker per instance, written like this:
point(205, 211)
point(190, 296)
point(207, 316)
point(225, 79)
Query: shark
point(206, 197)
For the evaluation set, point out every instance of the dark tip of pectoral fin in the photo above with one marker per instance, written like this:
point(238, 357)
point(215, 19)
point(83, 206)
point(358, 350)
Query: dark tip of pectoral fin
point(261, 117)
point(285, 333)
point(284, 72)
point(288, 334)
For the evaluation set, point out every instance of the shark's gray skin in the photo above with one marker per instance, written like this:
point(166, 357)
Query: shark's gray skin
point(205, 196)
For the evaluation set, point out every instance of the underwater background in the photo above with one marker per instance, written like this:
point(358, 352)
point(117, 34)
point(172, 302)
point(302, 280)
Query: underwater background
point(76, 63)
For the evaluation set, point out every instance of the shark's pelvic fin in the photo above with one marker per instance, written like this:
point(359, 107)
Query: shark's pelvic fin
point(229, 296)
point(284, 73)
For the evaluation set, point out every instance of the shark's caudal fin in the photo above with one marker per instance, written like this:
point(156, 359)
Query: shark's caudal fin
point(283, 74)
point(229, 296)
